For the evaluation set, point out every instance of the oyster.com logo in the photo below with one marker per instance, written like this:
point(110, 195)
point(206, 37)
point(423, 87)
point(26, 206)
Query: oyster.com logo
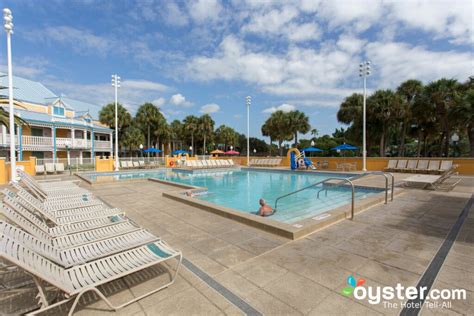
point(351, 281)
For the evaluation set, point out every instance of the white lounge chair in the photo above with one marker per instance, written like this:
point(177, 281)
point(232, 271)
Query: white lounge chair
point(40, 169)
point(49, 167)
point(62, 217)
point(231, 162)
point(392, 164)
point(76, 281)
point(411, 165)
point(78, 254)
point(136, 164)
point(433, 166)
point(401, 165)
point(59, 167)
point(447, 166)
point(422, 166)
point(56, 205)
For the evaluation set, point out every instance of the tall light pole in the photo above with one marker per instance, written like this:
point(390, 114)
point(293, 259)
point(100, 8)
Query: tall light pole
point(116, 85)
point(248, 101)
point(364, 72)
point(8, 25)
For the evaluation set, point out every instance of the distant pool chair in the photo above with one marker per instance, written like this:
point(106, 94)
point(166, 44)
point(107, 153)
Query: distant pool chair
point(49, 167)
point(39, 169)
point(392, 164)
point(422, 166)
point(433, 166)
point(401, 165)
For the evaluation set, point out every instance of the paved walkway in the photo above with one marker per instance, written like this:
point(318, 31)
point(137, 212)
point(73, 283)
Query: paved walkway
point(385, 245)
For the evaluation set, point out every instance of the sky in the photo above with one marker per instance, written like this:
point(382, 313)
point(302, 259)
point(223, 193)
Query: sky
point(206, 56)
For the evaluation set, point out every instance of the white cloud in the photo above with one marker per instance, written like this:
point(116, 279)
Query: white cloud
point(350, 43)
point(396, 62)
point(144, 85)
point(180, 100)
point(80, 40)
point(237, 116)
point(449, 19)
point(278, 22)
point(173, 15)
point(284, 107)
point(210, 108)
point(159, 102)
point(202, 11)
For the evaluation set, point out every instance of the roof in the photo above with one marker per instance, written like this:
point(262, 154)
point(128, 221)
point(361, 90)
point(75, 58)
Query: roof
point(27, 90)
point(37, 117)
point(79, 106)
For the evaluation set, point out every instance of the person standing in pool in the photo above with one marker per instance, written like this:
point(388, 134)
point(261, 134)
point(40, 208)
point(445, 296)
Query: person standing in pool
point(265, 209)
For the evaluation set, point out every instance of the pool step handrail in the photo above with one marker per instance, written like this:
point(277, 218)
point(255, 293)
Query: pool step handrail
point(346, 180)
point(342, 182)
point(359, 176)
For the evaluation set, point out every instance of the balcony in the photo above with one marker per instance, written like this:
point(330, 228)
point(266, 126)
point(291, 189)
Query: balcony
point(39, 143)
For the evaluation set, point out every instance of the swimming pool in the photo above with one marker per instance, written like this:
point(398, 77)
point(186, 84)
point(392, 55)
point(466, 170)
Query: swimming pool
point(242, 189)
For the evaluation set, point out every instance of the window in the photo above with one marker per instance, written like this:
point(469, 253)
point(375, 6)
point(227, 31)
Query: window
point(58, 110)
point(87, 119)
point(36, 131)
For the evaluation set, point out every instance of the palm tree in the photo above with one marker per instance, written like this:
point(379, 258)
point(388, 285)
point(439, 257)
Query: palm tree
point(315, 133)
point(297, 122)
point(190, 123)
point(160, 130)
point(382, 103)
point(464, 113)
point(280, 128)
point(107, 117)
point(408, 91)
point(132, 138)
point(205, 129)
point(5, 118)
point(148, 116)
point(226, 135)
point(268, 130)
point(176, 132)
point(441, 97)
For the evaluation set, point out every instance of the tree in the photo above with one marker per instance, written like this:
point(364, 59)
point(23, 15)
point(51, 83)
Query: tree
point(226, 135)
point(205, 129)
point(441, 97)
point(269, 131)
point(382, 103)
point(408, 92)
point(190, 124)
point(107, 117)
point(176, 132)
point(297, 122)
point(5, 118)
point(148, 116)
point(161, 130)
point(464, 113)
point(314, 133)
point(132, 138)
point(280, 128)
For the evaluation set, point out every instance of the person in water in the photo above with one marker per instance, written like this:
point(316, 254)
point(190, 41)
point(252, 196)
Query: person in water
point(265, 209)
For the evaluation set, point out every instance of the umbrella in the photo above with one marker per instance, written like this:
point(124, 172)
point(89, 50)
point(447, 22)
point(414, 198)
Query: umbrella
point(217, 151)
point(179, 151)
point(345, 147)
point(312, 149)
point(152, 150)
point(231, 152)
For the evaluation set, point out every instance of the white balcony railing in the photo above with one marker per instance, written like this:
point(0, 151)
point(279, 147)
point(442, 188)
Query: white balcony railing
point(102, 144)
point(38, 142)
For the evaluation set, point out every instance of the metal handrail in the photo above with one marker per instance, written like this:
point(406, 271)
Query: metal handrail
point(321, 182)
point(350, 181)
point(385, 174)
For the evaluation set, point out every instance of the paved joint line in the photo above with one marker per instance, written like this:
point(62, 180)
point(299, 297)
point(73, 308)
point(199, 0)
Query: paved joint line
point(428, 278)
point(219, 288)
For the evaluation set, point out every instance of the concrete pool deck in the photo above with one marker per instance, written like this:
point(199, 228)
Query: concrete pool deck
point(385, 245)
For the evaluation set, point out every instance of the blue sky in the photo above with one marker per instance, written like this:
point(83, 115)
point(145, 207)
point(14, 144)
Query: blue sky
point(205, 56)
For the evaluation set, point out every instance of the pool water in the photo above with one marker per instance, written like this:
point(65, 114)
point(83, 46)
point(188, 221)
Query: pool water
point(242, 189)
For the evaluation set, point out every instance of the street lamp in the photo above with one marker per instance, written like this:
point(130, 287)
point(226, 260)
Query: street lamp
point(364, 72)
point(8, 25)
point(68, 147)
point(248, 101)
point(455, 139)
point(116, 85)
point(312, 143)
point(141, 149)
point(191, 150)
point(254, 151)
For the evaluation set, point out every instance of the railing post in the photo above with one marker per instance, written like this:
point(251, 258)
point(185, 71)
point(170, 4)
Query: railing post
point(353, 199)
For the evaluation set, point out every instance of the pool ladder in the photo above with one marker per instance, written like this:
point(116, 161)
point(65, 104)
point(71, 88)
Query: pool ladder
point(349, 181)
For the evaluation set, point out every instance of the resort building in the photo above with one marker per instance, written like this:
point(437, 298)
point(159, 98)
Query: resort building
point(55, 124)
